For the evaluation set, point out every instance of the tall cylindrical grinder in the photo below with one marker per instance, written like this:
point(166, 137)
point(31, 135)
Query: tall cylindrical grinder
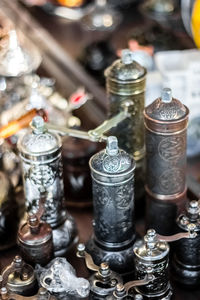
point(186, 259)
point(155, 254)
point(40, 152)
point(35, 241)
point(126, 79)
point(112, 171)
point(166, 122)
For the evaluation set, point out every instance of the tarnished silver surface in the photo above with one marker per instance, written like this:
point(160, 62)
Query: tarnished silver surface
point(112, 173)
point(59, 278)
point(40, 152)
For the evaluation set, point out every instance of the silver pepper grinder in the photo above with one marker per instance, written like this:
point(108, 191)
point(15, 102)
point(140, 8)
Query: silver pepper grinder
point(153, 252)
point(112, 171)
point(40, 153)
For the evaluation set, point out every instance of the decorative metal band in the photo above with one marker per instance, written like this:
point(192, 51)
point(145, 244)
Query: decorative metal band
point(115, 246)
point(166, 127)
point(35, 243)
point(126, 88)
point(165, 133)
point(113, 183)
point(173, 197)
point(166, 294)
point(46, 158)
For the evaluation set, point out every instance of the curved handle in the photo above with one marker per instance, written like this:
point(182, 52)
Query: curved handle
point(88, 258)
point(191, 234)
point(148, 278)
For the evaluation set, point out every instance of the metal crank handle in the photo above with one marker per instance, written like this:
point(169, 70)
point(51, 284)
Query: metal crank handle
point(190, 234)
point(147, 279)
point(88, 258)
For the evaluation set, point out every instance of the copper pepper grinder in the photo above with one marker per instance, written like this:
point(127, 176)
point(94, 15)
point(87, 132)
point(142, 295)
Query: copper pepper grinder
point(126, 79)
point(35, 239)
point(112, 171)
point(166, 122)
point(40, 153)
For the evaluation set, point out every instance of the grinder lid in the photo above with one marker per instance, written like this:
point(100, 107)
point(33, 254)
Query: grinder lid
point(125, 69)
point(166, 108)
point(112, 160)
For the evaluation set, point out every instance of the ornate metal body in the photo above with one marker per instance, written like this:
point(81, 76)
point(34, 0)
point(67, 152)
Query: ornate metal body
point(103, 281)
point(35, 241)
point(125, 79)
point(40, 152)
point(59, 278)
point(186, 260)
point(19, 278)
point(166, 123)
point(112, 173)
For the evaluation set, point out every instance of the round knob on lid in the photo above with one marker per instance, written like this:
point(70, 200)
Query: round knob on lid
point(112, 146)
point(127, 56)
point(166, 95)
point(38, 125)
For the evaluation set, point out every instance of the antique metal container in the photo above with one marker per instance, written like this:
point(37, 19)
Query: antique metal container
point(166, 122)
point(35, 241)
point(125, 79)
point(40, 152)
point(112, 171)
point(104, 281)
point(19, 278)
point(186, 260)
point(155, 254)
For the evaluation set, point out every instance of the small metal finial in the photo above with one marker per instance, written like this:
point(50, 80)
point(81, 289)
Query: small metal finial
point(166, 95)
point(119, 287)
point(38, 124)
point(112, 146)
point(138, 297)
point(81, 247)
point(18, 259)
point(127, 56)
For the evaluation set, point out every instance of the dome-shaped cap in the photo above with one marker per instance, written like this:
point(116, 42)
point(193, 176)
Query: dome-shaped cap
point(151, 248)
point(125, 69)
point(112, 160)
point(39, 141)
point(166, 108)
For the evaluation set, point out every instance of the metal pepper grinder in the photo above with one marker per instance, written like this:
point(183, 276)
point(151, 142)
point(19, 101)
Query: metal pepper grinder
point(40, 152)
point(103, 281)
point(125, 79)
point(35, 239)
point(112, 171)
point(19, 278)
point(186, 259)
point(166, 122)
point(153, 252)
